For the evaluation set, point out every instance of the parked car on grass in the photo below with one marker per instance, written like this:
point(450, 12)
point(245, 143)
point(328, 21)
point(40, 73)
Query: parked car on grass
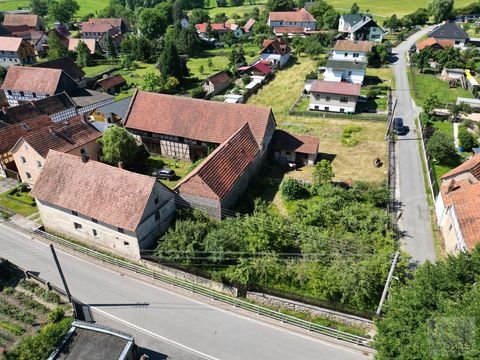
point(164, 173)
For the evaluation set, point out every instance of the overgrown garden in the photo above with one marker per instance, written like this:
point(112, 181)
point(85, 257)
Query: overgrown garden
point(333, 246)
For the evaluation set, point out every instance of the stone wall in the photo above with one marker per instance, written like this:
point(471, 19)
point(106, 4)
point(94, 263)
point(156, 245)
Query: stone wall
point(277, 302)
point(181, 275)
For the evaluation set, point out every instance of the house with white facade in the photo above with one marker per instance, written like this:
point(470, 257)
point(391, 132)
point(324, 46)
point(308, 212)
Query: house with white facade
point(15, 51)
point(24, 84)
point(74, 136)
point(351, 71)
point(104, 206)
point(334, 96)
point(360, 27)
point(347, 21)
point(275, 53)
point(450, 31)
point(291, 21)
point(458, 206)
point(352, 50)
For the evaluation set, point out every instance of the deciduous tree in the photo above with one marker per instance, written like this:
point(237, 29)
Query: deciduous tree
point(152, 23)
point(39, 7)
point(440, 9)
point(62, 10)
point(118, 146)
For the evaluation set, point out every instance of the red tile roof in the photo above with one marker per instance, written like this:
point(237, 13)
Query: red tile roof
point(219, 78)
point(432, 41)
point(466, 204)
point(202, 28)
point(291, 16)
point(203, 120)
point(91, 44)
point(96, 27)
point(223, 168)
point(349, 45)
point(34, 79)
point(472, 165)
point(9, 135)
point(283, 140)
point(111, 82)
point(10, 43)
point(333, 87)
point(20, 19)
point(249, 25)
point(280, 47)
point(258, 66)
point(115, 22)
point(111, 195)
point(62, 136)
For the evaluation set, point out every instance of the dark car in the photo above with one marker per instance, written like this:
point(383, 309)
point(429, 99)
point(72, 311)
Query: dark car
point(164, 173)
point(398, 127)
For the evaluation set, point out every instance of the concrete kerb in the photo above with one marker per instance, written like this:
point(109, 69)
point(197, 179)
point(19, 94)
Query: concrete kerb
point(203, 299)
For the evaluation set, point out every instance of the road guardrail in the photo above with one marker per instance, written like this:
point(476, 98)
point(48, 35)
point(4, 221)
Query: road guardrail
point(197, 289)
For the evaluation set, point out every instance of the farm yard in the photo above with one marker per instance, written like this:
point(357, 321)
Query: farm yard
point(352, 157)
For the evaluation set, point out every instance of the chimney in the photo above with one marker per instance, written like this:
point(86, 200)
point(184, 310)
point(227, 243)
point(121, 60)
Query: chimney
point(120, 165)
point(85, 158)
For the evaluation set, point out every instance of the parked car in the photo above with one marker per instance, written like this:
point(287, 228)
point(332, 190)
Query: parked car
point(398, 127)
point(164, 173)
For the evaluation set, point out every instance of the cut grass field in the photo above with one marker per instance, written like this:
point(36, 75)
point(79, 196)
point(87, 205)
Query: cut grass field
point(86, 6)
point(428, 84)
point(242, 11)
point(388, 8)
point(348, 162)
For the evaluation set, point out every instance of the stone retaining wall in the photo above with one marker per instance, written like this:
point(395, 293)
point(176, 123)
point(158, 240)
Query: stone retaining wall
point(277, 302)
point(182, 275)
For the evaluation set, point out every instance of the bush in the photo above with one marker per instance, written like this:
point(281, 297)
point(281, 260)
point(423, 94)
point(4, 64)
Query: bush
point(293, 189)
point(440, 146)
point(56, 315)
point(373, 93)
point(466, 139)
point(312, 75)
point(347, 136)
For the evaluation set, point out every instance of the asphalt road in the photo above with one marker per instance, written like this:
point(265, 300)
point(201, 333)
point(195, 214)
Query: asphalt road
point(415, 221)
point(190, 329)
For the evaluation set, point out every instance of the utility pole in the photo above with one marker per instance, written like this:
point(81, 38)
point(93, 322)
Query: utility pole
point(67, 291)
point(387, 283)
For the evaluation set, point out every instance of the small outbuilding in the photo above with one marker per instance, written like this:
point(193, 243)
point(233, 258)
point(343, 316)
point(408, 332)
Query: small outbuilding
point(216, 83)
point(300, 149)
point(111, 85)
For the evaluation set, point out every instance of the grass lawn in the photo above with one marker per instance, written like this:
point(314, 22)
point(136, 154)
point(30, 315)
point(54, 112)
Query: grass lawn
point(86, 6)
point(181, 168)
point(135, 75)
point(428, 84)
point(20, 203)
point(444, 126)
point(348, 162)
point(388, 8)
point(242, 11)
point(219, 59)
point(91, 71)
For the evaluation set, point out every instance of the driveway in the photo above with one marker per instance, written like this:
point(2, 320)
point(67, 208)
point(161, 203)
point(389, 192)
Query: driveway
point(6, 184)
point(415, 222)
